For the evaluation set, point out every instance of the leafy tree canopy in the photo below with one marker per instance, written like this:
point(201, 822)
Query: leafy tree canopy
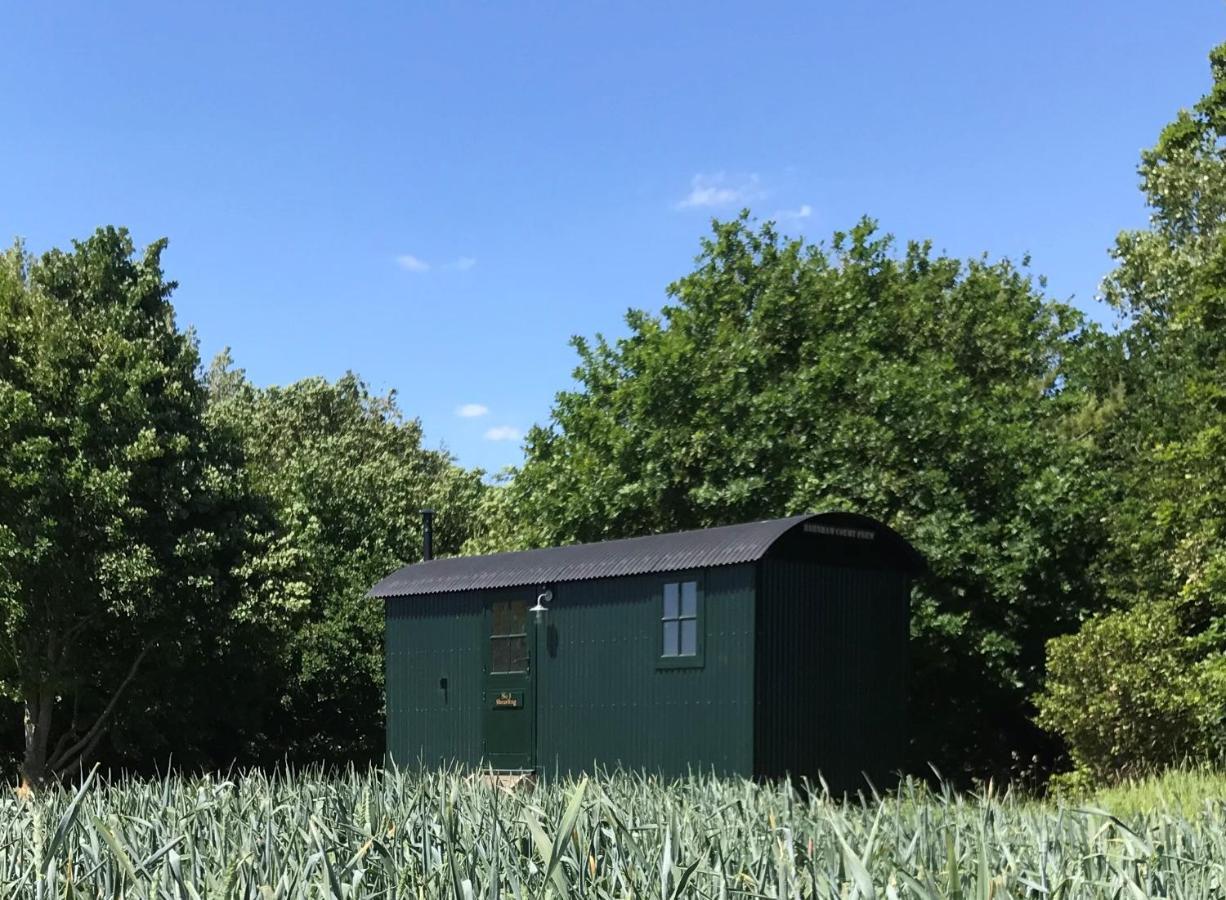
point(345, 475)
point(1170, 283)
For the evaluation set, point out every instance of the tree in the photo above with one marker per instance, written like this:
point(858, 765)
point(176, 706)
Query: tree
point(1163, 444)
point(345, 476)
point(1170, 287)
point(784, 377)
point(118, 523)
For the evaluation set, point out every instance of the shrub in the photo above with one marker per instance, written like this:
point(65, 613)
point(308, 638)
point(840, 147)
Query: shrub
point(1133, 691)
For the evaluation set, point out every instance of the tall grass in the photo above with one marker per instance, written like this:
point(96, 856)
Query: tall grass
point(1185, 790)
point(405, 835)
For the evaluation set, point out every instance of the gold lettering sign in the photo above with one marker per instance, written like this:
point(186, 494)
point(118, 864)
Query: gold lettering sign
point(506, 698)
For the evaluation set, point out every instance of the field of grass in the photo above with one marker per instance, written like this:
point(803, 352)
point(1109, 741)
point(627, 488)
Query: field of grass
point(401, 835)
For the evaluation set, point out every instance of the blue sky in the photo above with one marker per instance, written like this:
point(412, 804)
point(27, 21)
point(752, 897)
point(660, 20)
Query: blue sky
point(438, 195)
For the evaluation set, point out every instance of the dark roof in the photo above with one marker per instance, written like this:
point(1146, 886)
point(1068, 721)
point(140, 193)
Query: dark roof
point(722, 546)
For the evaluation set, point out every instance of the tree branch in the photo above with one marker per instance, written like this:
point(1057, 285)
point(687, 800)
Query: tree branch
point(90, 739)
point(76, 629)
point(72, 732)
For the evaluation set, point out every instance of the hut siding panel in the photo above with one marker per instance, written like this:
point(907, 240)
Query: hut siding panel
point(604, 700)
point(831, 651)
point(429, 638)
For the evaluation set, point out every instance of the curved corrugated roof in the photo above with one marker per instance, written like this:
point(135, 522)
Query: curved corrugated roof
point(722, 546)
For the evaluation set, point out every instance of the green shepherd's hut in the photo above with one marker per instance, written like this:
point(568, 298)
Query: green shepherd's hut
point(762, 649)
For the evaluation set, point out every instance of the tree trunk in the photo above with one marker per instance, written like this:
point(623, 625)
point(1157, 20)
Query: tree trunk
point(38, 766)
point(37, 731)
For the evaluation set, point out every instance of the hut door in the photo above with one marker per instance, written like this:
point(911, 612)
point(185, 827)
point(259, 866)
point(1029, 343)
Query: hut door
point(509, 717)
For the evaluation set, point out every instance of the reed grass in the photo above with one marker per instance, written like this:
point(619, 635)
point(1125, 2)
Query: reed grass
point(396, 835)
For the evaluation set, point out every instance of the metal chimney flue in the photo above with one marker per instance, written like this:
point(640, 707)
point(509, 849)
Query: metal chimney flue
point(427, 534)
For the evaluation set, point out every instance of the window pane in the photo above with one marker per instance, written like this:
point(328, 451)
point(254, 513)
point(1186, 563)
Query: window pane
point(670, 601)
point(519, 654)
point(509, 617)
point(670, 638)
point(509, 654)
point(500, 655)
point(689, 637)
point(689, 599)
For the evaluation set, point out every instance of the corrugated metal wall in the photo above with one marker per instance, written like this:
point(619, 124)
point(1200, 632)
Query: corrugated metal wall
point(831, 672)
point(429, 639)
point(603, 697)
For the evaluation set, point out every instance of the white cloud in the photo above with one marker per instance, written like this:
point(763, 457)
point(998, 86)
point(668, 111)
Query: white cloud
point(708, 191)
point(503, 433)
point(471, 410)
point(411, 263)
point(791, 215)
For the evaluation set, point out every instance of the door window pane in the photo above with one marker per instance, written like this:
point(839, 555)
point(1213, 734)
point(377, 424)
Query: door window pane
point(509, 654)
point(499, 655)
point(509, 617)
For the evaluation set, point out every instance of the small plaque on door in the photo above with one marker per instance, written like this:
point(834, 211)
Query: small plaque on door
point(509, 700)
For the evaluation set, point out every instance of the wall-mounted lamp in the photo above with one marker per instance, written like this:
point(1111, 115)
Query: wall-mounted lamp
point(538, 611)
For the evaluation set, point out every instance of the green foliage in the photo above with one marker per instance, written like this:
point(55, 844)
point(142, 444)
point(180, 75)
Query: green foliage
point(1168, 445)
point(1148, 680)
point(449, 834)
point(1131, 692)
point(120, 514)
point(344, 475)
point(784, 377)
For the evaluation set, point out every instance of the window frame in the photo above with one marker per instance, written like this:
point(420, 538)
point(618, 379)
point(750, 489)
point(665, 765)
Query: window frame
point(698, 659)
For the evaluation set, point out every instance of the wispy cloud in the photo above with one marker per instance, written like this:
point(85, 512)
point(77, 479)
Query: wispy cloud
point(709, 191)
point(472, 410)
point(503, 433)
point(793, 215)
point(411, 263)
